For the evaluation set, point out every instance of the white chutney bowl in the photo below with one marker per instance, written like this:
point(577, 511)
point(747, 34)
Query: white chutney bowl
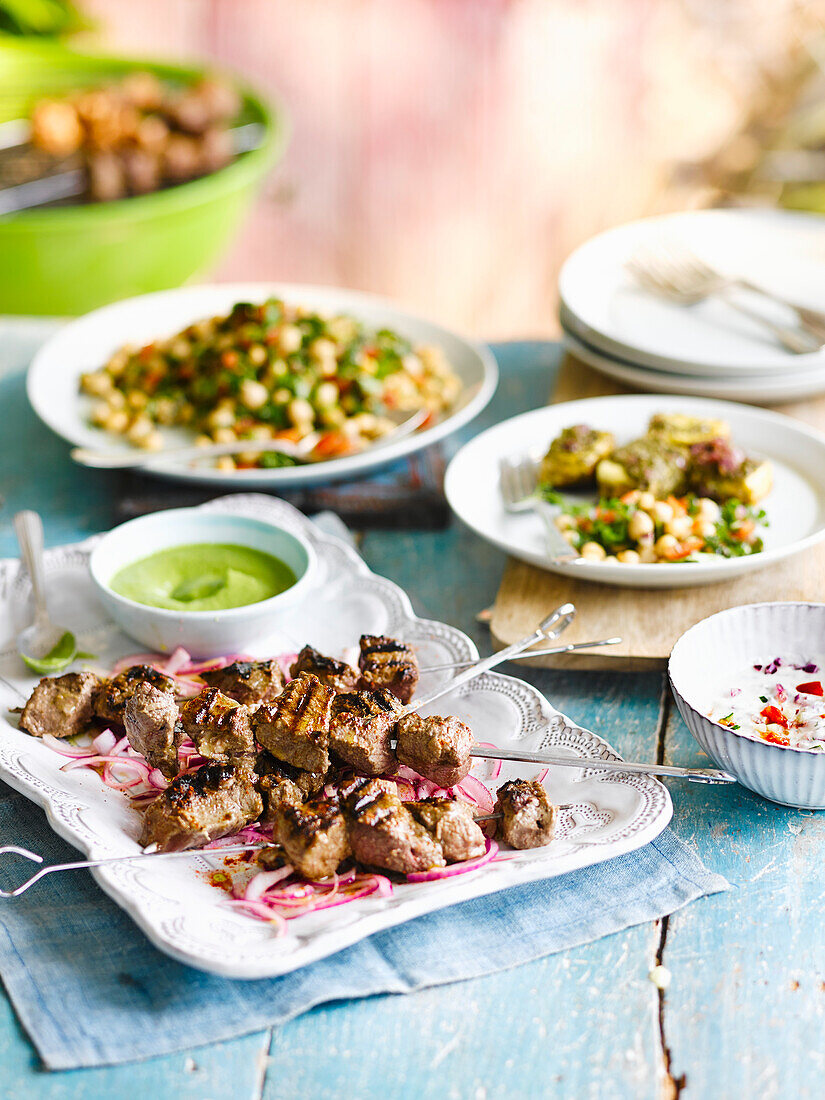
point(202, 633)
point(717, 651)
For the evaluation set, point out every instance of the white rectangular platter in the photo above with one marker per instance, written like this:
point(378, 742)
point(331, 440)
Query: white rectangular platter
point(172, 901)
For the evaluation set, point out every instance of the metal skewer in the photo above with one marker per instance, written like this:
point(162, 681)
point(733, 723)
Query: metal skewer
point(694, 775)
point(530, 653)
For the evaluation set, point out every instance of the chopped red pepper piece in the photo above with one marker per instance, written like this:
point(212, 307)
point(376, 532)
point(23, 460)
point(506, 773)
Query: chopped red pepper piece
point(775, 738)
point(812, 687)
point(774, 714)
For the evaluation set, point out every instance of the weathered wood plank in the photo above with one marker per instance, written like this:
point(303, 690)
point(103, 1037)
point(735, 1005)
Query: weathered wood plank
point(745, 1008)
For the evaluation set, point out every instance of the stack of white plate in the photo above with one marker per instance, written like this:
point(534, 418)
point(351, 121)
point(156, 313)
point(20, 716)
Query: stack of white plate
point(708, 349)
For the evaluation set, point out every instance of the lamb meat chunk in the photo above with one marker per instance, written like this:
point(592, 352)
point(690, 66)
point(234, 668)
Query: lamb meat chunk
point(249, 682)
point(385, 663)
point(438, 748)
point(220, 727)
point(314, 836)
point(528, 818)
point(218, 800)
point(60, 705)
point(151, 721)
point(308, 783)
point(112, 695)
point(282, 785)
point(451, 823)
point(295, 728)
point(360, 729)
point(359, 791)
point(383, 832)
point(335, 674)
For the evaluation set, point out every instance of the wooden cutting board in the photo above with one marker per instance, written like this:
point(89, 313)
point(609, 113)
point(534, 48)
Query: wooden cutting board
point(648, 620)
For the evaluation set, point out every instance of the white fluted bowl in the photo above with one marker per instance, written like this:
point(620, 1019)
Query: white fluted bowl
point(721, 648)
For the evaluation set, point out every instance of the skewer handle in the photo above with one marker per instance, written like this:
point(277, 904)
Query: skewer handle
point(530, 653)
point(548, 628)
point(694, 775)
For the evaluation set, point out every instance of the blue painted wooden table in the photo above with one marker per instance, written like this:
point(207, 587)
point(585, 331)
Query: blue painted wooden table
point(743, 1013)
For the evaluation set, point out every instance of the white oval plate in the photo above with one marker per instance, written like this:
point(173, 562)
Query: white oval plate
point(780, 250)
point(171, 901)
point(795, 507)
point(764, 390)
point(87, 343)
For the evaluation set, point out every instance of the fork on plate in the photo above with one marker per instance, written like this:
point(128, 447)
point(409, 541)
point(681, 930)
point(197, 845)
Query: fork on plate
point(518, 482)
point(675, 273)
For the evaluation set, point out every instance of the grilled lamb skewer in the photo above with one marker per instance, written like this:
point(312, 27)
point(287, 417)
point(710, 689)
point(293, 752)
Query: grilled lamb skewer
point(295, 727)
point(382, 831)
point(527, 818)
point(220, 728)
point(62, 706)
point(218, 800)
point(112, 695)
point(386, 663)
point(152, 725)
point(452, 825)
point(361, 725)
point(314, 836)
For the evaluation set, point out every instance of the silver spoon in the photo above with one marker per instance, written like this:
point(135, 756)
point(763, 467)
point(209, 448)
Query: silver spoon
point(301, 451)
point(40, 639)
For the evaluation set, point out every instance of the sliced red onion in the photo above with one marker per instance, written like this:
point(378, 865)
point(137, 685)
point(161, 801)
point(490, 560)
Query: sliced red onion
point(158, 779)
point(496, 763)
point(490, 853)
point(65, 749)
point(104, 742)
point(261, 882)
point(476, 791)
point(542, 775)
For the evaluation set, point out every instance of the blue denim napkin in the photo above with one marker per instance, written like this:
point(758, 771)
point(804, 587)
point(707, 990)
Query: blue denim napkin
point(90, 990)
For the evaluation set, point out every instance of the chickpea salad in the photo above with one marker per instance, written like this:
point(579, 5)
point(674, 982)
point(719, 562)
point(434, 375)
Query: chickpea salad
point(781, 701)
point(682, 492)
point(271, 371)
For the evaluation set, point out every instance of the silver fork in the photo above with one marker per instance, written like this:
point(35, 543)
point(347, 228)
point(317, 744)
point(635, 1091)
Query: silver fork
point(676, 274)
point(519, 492)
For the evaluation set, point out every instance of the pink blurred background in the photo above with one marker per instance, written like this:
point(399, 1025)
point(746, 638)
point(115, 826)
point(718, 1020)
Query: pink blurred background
point(451, 153)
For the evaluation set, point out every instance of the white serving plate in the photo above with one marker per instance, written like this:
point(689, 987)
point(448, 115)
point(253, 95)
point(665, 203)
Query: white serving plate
point(760, 390)
point(795, 507)
point(86, 344)
point(183, 915)
point(780, 250)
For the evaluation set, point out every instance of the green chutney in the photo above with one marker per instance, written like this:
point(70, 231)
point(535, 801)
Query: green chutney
point(204, 576)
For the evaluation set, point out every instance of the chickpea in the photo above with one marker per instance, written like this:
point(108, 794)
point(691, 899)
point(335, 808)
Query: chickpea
point(282, 396)
point(640, 524)
point(223, 416)
point(116, 399)
point(117, 421)
point(592, 551)
point(253, 394)
point(289, 339)
point(203, 441)
point(703, 528)
point(708, 509)
point(257, 355)
point(98, 383)
point(301, 413)
point(100, 413)
point(141, 427)
point(137, 400)
point(570, 536)
point(661, 511)
point(180, 348)
point(225, 435)
point(679, 526)
point(326, 394)
point(565, 522)
point(667, 545)
point(646, 501)
point(225, 462)
point(152, 441)
point(628, 557)
point(647, 555)
point(322, 349)
point(611, 559)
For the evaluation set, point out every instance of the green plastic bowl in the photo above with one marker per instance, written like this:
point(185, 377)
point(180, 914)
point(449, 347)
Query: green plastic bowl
point(68, 260)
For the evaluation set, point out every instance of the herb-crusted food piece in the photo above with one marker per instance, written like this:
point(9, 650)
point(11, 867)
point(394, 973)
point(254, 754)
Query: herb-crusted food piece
point(383, 832)
point(649, 463)
point(295, 727)
point(112, 695)
point(682, 430)
point(218, 800)
point(151, 722)
point(60, 705)
point(249, 682)
point(528, 819)
point(451, 824)
point(438, 748)
point(314, 836)
point(335, 674)
point(573, 456)
point(722, 471)
point(220, 727)
point(361, 726)
point(386, 663)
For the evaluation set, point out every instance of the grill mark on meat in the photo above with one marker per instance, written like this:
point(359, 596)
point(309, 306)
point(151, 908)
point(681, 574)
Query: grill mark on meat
point(314, 836)
point(295, 728)
point(248, 682)
point(220, 727)
point(361, 726)
point(152, 725)
point(528, 820)
point(217, 800)
point(333, 673)
point(387, 663)
point(112, 695)
point(383, 833)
